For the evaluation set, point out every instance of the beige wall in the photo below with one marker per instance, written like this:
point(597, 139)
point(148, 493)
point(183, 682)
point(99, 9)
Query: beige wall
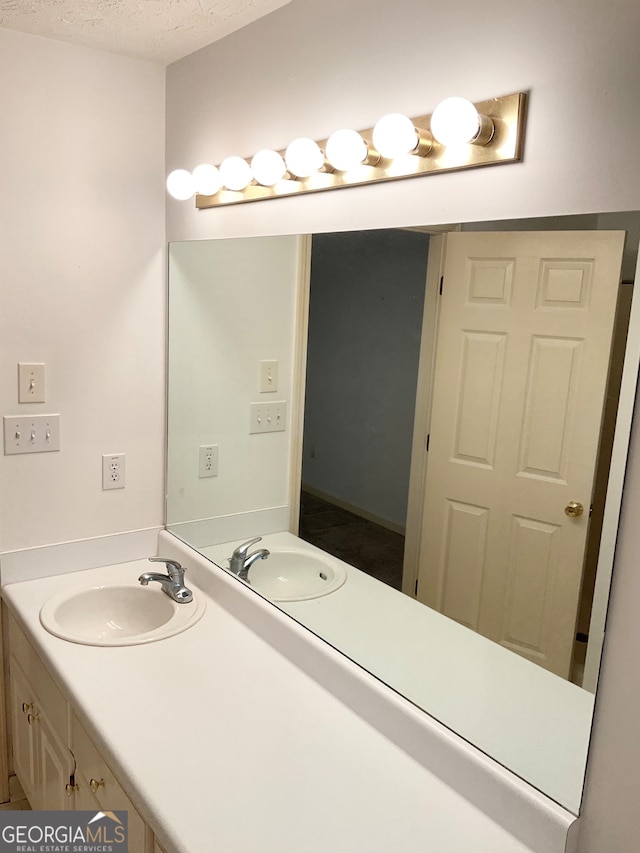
point(221, 329)
point(311, 68)
point(82, 284)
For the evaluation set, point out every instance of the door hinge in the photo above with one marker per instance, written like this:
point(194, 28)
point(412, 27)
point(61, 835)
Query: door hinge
point(428, 438)
point(415, 589)
point(590, 510)
point(441, 283)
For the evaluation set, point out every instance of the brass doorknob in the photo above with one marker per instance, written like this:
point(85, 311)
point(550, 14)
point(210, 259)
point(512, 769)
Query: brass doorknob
point(94, 784)
point(574, 509)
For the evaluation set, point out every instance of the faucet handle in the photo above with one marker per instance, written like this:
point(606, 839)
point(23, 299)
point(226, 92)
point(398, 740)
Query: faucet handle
point(241, 550)
point(174, 569)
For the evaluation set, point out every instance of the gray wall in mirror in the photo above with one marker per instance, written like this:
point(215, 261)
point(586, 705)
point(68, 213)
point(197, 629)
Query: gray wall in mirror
point(365, 324)
point(344, 633)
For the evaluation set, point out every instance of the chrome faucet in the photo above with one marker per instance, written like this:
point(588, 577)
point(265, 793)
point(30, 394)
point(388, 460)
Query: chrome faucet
point(172, 583)
point(241, 561)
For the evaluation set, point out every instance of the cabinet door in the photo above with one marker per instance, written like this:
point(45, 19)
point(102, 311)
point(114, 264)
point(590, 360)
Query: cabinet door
point(23, 711)
point(55, 768)
point(99, 789)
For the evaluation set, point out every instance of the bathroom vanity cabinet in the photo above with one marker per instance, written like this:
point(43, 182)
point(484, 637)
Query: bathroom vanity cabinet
point(39, 727)
point(55, 759)
point(289, 720)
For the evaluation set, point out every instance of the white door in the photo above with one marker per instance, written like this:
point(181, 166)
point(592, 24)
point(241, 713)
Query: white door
point(521, 369)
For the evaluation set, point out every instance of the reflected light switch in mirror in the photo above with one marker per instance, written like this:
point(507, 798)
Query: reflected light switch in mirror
point(268, 376)
point(268, 417)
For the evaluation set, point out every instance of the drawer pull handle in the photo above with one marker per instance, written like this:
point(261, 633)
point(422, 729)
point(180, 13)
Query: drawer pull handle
point(94, 784)
point(31, 718)
point(69, 788)
point(26, 707)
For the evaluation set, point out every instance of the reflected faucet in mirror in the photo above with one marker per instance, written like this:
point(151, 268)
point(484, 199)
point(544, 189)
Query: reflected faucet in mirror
point(241, 561)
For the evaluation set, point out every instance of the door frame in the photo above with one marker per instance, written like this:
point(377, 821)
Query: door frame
point(422, 418)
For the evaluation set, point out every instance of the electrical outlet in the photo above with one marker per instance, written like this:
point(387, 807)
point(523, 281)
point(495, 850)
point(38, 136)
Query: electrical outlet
point(113, 471)
point(208, 461)
point(267, 417)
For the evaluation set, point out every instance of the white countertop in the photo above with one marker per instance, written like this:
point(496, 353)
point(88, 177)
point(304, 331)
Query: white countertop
point(225, 744)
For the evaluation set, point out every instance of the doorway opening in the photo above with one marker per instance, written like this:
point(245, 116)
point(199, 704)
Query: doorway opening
point(365, 325)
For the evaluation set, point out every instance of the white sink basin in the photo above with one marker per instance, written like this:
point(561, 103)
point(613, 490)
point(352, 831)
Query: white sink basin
point(118, 615)
point(292, 575)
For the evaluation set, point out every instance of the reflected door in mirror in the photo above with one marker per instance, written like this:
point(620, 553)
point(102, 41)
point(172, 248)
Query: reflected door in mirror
point(522, 360)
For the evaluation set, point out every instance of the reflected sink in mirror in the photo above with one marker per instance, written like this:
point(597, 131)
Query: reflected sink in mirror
point(117, 615)
point(296, 576)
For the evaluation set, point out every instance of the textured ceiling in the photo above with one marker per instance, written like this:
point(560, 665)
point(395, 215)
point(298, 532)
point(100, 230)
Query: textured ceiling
point(160, 30)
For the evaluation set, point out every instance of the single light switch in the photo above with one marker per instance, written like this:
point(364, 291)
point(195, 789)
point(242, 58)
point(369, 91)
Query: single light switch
point(31, 383)
point(268, 376)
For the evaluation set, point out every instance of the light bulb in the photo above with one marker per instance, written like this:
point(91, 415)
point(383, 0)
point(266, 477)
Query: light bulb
point(268, 167)
point(206, 179)
point(303, 157)
point(180, 184)
point(455, 121)
point(395, 135)
point(346, 149)
point(235, 173)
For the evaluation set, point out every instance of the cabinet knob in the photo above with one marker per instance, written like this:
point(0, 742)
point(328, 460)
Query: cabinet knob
point(94, 784)
point(31, 718)
point(69, 788)
point(26, 707)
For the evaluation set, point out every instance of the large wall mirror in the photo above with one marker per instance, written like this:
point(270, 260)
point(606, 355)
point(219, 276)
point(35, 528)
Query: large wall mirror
point(428, 428)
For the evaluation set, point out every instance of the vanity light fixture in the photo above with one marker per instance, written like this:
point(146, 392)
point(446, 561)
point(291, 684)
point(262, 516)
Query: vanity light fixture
point(181, 184)
point(456, 121)
point(346, 150)
point(207, 179)
point(235, 173)
point(458, 135)
point(303, 157)
point(395, 135)
point(268, 167)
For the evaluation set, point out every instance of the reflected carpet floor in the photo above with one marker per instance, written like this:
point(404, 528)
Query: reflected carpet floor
point(361, 543)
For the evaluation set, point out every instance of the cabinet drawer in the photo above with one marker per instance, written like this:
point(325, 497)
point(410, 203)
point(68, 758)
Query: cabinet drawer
point(96, 783)
point(37, 675)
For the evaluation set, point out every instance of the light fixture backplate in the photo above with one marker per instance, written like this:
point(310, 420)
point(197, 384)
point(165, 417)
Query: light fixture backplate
point(506, 146)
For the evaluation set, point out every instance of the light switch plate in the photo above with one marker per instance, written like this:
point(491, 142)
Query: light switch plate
point(268, 376)
point(31, 383)
point(268, 417)
point(31, 434)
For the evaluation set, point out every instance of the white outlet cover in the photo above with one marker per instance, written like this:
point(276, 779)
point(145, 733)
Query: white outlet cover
point(207, 460)
point(113, 471)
